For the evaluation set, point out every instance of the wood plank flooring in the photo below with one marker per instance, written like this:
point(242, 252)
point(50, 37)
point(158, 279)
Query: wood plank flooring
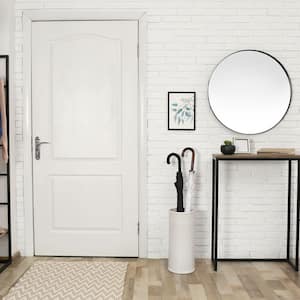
point(150, 279)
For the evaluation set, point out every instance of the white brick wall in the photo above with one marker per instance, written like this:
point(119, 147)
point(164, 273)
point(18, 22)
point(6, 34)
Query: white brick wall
point(186, 39)
point(5, 14)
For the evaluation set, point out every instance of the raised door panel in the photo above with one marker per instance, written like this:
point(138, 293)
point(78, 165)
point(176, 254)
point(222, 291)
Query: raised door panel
point(74, 199)
point(86, 96)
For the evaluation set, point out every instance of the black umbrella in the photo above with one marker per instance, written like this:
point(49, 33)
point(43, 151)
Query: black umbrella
point(178, 183)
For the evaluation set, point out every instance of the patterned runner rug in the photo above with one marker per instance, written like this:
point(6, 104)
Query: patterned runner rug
point(73, 280)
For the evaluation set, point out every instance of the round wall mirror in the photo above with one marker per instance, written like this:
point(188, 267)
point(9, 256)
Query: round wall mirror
point(249, 91)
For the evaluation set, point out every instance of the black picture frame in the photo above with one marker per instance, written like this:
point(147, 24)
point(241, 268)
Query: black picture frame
point(170, 127)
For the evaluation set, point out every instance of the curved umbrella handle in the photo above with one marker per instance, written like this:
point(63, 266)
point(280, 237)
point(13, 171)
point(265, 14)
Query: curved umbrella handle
point(178, 159)
point(193, 156)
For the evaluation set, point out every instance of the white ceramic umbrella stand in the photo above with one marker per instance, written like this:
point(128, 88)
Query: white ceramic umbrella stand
point(181, 242)
point(181, 231)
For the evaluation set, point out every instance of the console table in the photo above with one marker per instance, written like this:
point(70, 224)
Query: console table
point(216, 158)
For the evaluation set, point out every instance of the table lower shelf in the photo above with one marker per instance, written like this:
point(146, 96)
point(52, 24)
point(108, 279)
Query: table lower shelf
point(291, 262)
point(4, 265)
point(252, 259)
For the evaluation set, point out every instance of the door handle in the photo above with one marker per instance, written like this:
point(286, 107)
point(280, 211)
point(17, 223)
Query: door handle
point(37, 146)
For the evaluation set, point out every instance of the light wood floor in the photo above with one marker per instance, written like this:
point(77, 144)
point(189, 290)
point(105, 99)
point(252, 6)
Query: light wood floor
point(150, 279)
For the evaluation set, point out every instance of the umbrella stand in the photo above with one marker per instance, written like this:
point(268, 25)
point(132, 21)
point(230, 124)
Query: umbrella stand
point(179, 182)
point(181, 258)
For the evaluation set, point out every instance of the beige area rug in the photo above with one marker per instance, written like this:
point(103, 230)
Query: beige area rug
point(80, 280)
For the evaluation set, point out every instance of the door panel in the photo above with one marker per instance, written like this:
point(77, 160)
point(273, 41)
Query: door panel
point(70, 212)
point(94, 63)
point(84, 103)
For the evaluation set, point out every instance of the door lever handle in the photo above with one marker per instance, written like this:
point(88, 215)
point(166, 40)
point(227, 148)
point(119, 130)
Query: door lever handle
point(37, 146)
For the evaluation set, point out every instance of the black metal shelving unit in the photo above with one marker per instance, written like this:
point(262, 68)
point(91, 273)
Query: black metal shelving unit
point(5, 241)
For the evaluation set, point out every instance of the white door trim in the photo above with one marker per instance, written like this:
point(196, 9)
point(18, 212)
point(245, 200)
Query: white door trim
point(30, 16)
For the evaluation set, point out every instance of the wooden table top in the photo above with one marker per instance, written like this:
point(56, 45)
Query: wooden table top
point(255, 156)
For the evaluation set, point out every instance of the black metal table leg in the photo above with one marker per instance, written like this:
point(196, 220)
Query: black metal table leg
point(297, 216)
point(216, 215)
point(289, 210)
point(213, 212)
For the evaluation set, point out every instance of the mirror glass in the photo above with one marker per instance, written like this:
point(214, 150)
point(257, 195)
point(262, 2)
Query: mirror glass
point(249, 92)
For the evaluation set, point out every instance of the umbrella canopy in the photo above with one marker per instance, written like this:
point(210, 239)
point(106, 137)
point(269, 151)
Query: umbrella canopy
point(179, 182)
point(190, 180)
point(189, 191)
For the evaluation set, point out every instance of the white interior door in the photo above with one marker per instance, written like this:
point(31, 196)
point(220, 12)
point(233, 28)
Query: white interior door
point(84, 103)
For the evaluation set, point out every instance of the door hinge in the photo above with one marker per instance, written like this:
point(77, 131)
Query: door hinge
point(138, 227)
point(32, 144)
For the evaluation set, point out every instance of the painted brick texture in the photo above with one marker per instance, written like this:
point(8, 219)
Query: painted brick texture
point(186, 39)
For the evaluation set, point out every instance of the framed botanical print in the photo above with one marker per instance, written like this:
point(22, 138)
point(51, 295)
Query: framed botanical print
point(181, 110)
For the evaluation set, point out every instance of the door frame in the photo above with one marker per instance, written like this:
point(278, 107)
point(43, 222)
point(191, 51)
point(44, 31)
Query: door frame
point(30, 16)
